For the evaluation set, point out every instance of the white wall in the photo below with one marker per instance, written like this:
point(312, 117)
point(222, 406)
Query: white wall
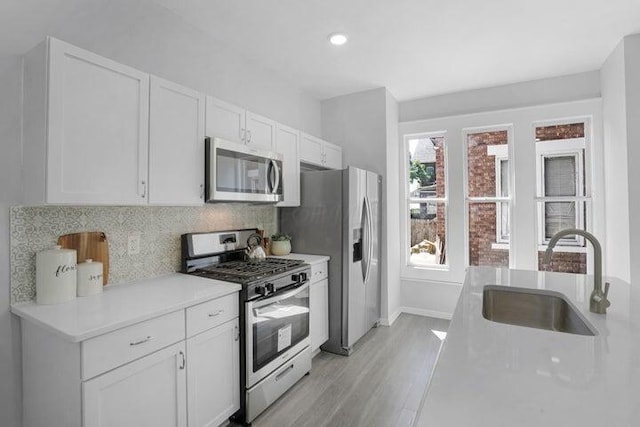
point(144, 35)
point(391, 251)
point(615, 157)
point(632, 65)
point(545, 91)
point(10, 194)
point(365, 125)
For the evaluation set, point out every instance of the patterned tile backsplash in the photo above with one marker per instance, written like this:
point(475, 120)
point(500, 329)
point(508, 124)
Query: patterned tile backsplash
point(37, 228)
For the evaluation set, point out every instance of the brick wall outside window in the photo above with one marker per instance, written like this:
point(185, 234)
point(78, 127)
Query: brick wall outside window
point(482, 183)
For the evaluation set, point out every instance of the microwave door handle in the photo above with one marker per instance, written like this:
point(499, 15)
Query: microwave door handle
point(269, 182)
point(277, 175)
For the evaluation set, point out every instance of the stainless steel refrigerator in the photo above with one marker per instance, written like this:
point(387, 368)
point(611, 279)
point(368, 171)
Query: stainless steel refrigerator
point(339, 216)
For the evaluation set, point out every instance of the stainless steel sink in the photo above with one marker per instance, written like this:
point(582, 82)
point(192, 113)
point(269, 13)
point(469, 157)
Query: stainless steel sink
point(533, 308)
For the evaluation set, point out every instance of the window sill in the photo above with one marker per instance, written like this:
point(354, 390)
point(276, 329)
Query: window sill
point(567, 249)
point(502, 246)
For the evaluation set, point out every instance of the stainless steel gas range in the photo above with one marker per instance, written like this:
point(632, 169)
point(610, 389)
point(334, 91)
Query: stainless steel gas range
point(274, 314)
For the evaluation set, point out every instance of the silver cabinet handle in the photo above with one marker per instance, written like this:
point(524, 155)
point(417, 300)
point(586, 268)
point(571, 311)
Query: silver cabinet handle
point(217, 313)
point(144, 189)
point(243, 134)
point(141, 341)
point(184, 361)
point(202, 191)
point(236, 333)
point(248, 136)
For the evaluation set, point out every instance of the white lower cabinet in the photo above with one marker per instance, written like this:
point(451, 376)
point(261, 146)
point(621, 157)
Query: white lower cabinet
point(213, 370)
point(178, 369)
point(319, 305)
point(150, 391)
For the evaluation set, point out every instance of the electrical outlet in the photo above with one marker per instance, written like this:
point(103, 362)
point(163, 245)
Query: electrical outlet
point(134, 244)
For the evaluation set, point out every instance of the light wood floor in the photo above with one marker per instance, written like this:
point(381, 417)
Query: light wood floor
point(380, 384)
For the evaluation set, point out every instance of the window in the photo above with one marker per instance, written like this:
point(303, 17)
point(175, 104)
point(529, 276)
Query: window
point(487, 197)
point(426, 201)
point(561, 193)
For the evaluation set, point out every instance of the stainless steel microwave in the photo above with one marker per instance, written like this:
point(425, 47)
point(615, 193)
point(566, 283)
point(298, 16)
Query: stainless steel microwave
point(238, 173)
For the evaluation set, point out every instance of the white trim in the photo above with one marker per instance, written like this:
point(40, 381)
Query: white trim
point(405, 214)
point(388, 321)
point(466, 131)
point(427, 313)
point(501, 246)
point(499, 150)
point(565, 248)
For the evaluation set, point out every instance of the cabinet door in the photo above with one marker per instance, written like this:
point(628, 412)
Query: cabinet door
point(213, 375)
point(148, 392)
point(98, 123)
point(176, 144)
point(225, 120)
point(332, 156)
point(319, 313)
point(287, 144)
point(261, 132)
point(310, 149)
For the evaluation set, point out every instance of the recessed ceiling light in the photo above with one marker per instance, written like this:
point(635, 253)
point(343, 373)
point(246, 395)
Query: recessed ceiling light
point(337, 39)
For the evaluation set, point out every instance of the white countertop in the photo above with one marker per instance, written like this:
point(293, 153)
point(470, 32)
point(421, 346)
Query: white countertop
point(494, 374)
point(123, 304)
point(309, 259)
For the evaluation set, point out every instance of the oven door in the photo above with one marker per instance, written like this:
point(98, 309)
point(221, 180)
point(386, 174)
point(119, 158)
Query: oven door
point(277, 329)
point(235, 172)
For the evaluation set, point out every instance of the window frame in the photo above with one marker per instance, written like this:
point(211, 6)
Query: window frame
point(408, 200)
point(505, 152)
point(570, 147)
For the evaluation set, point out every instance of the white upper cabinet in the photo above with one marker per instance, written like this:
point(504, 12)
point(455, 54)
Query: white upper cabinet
point(321, 153)
point(176, 144)
point(261, 132)
point(86, 124)
point(288, 144)
point(236, 124)
point(225, 120)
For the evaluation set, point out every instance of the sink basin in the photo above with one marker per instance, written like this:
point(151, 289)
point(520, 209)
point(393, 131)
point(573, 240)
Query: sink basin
point(533, 308)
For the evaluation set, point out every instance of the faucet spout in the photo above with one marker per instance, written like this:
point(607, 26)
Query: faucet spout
point(598, 302)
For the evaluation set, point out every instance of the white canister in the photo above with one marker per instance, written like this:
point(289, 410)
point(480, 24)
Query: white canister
point(89, 278)
point(55, 275)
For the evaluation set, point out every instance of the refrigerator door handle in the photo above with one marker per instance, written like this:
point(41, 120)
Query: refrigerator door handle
point(363, 227)
point(369, 239)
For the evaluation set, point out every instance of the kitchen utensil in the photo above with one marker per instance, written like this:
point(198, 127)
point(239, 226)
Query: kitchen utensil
point(89, 245)
point(55, 275)
point(254, 247)
point(89, 278)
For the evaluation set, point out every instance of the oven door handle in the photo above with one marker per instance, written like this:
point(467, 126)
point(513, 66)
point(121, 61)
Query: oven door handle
point(270, 300)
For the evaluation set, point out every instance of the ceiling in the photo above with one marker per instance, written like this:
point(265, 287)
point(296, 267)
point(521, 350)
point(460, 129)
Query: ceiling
point(415, 48)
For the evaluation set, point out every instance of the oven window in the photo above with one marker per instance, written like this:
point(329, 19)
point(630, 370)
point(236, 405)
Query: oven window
point(278, 326)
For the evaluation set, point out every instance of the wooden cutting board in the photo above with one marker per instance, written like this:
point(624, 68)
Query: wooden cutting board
point(89, 245)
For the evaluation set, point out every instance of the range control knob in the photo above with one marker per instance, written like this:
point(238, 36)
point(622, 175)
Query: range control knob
point(295, 278)
point(303, 277)
point(270, 287)
point(262, 290)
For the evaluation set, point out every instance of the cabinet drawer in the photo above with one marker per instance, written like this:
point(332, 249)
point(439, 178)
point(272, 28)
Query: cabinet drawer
point(211, 314)
point(319, 271)
point(116, 348)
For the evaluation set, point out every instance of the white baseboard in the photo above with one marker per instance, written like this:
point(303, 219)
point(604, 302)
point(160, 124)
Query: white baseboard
point(427, 313)
point(388, 321)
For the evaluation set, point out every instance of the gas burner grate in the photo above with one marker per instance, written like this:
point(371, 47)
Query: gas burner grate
point(245, 270)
